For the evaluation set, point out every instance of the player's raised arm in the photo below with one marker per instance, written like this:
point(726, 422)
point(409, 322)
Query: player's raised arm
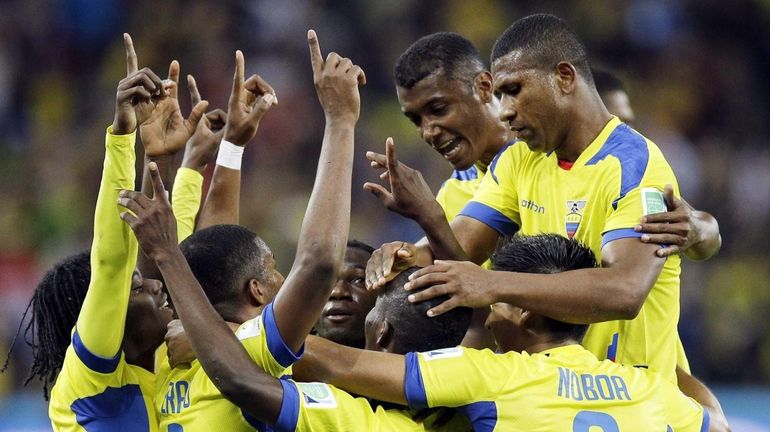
point(164, 134)
point(199, 150)
point(681, 229)
point(324, 233)
point(249, 101)
point(101, 322)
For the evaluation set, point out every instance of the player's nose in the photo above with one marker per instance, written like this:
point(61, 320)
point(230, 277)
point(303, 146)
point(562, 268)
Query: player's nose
point(340, 291)
point(430, 133)
point(153, 286)
point(507, 110)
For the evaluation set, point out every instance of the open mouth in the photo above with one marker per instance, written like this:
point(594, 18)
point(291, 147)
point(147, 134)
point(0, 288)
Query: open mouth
point(449, 148)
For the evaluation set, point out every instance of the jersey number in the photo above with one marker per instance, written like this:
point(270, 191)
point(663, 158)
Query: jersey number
point(585, 420)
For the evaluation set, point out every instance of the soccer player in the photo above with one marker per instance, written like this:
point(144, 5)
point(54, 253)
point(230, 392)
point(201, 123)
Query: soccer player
point(342, 318)
point(97, 321)
point(275, 338)
point(543, 381)
point(581, 173)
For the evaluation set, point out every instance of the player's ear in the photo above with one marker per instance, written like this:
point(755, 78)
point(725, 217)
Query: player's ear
point(384, 336)
point(566, 77)
point(482, 86)
point(526, 320)
point(259, 294)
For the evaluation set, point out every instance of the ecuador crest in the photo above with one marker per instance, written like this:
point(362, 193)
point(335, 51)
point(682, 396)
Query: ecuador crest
point(574, 216)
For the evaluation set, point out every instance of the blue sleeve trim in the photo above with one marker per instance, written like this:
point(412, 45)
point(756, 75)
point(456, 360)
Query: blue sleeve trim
point(94, 362)
point(704, 427)
point(483, 415)
point(489, 216)
point(619, 234)
point(413, 385)
point(289, 415)
point(275, 343)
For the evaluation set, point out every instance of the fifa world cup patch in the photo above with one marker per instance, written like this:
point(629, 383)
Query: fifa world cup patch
point(653, 201)
point(317, 395)
point(442, 353)
point(574, 216)
point(249, 329)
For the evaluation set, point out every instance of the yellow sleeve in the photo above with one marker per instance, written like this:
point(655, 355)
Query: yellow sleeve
point(496, 203)
point(101, 322)
point(428, 380)
point(186, 200)
point(321, 407)
point(262, 340)
point(683, 414)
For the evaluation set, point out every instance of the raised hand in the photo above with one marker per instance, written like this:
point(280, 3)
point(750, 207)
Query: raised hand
point(409, 194)
point(249, 101)
point(464, 282)
point(165, 131)
point(179, 347)
point(336, 83)
point(138, 93)
point(387, 262)
point(151, 219)
point(203, 144)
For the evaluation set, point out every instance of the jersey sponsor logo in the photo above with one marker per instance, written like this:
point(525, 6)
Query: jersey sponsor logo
point(442, 353)
point(653, 201)
point(177, 397)
point(531, 205)
point(590, 387)
point(574, 216)
point(317, 395)
point(250, 329)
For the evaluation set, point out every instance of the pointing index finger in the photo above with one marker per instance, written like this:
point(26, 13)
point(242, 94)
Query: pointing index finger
point(173, 75)
point(131, 61)
point(315, 53)
point(157, 182)
point(195, 95)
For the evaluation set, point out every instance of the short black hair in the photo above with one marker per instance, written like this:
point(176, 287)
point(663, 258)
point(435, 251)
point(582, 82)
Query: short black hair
point(413, 329)
point(55, 306)
point(223, 258)
point(360, 245)
point(545, 254)
point(450, 53)
point(606, 81)
point(545, 40)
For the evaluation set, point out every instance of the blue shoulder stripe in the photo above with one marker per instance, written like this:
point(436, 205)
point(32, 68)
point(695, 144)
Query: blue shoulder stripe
point(630, 149)
point(483, 415)
point(94, 362)
point(493, 165)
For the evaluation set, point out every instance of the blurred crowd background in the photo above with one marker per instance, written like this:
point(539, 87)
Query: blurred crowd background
point(696, 72)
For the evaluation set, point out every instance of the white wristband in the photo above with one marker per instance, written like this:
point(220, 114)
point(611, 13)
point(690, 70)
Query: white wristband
point(230, 155)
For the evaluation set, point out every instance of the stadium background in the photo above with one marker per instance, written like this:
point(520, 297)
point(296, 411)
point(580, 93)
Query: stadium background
point(696, 71)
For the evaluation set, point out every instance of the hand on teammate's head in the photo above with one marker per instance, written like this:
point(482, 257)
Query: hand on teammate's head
point(137, 95)
point(249, 101)
point(336, 82)
point(387, 262)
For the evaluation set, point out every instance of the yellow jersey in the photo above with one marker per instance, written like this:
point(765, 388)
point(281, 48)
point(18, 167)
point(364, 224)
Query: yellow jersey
point(322, 407)
point(186, 200)
point(560, 389)
point(187, 400)
point(617, 179)
point(96, 389)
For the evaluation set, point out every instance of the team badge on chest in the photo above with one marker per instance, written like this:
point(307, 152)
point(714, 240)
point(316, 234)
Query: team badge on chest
point(574, 216)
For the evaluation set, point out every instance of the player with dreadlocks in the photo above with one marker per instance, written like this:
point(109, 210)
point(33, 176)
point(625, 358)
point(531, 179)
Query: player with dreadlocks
point(96, 323)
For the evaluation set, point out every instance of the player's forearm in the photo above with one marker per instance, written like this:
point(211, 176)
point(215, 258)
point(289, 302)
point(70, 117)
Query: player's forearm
point(373, 374)
point(223, 201)
point(579, 296)
point(218, 350)
point(186, 200)
point(694, 388)
point(322, 239)
point(708, 241)
point(442, 241)
point(113, 254)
